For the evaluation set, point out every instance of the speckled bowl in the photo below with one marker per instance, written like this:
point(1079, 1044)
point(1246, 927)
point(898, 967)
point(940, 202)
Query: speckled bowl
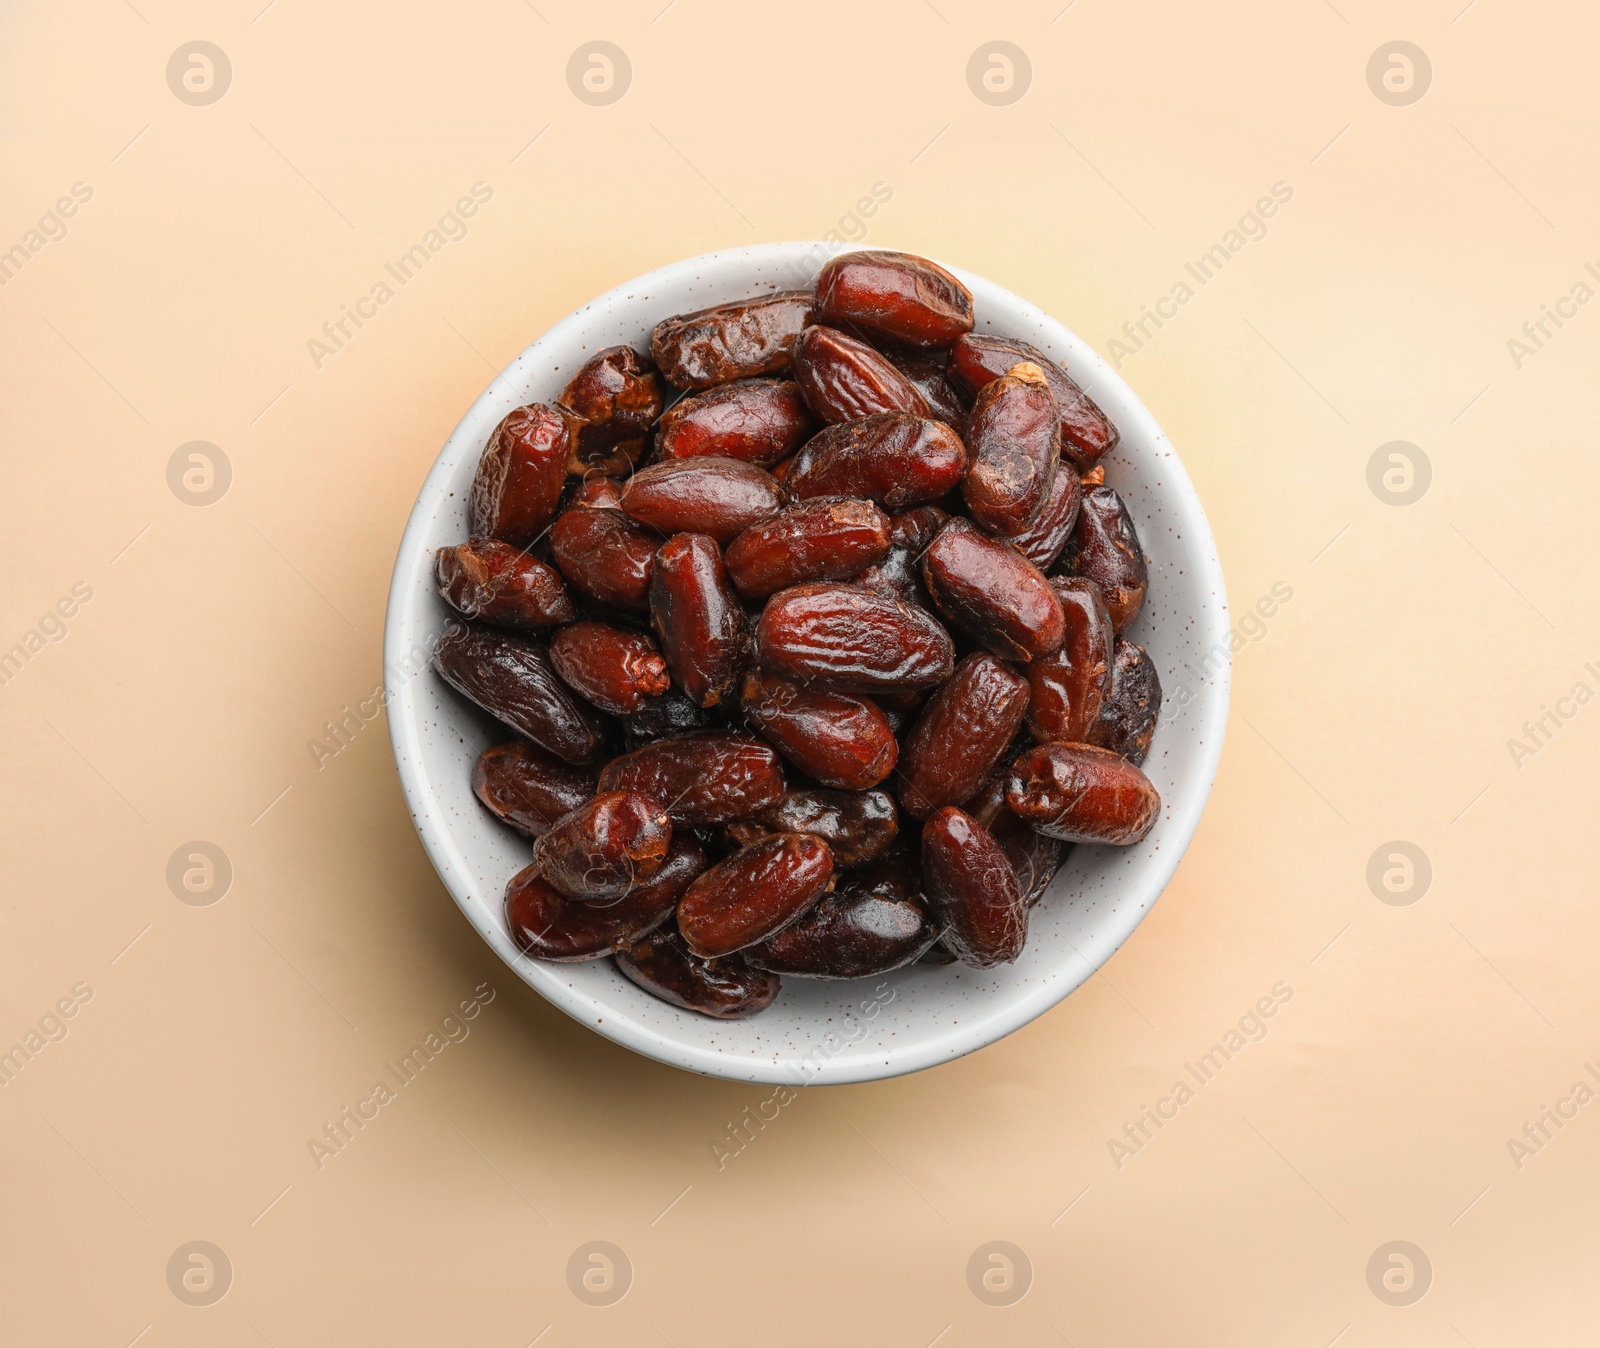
point(819, 1032)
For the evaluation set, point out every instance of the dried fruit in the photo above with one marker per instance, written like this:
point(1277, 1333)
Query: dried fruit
point(706, 777)
point(602, 849)
point(1068, 685)
point(851, 639)
point(825, 538)
point(497, 583)
point(992, 593)
point(1105, 548)
point(520, 783)
point(731, 341)
point(971, 890)
point(617, 670)
point(1127, 719)
point(510, 678)
point(726, 989)
point(871, 924)
point(760, 421)
point(893, 458)
point(697, 618)
point(843, 379)
point(833, 738)
point(1014, 435)
point(521, 475)
point(858, 826)
point(617, 393)
point(757, 891)
point(716, 496)
point(605, 556)
point(899, 295)
point(961, 734)
point(1079, 793)
point(1086, 433)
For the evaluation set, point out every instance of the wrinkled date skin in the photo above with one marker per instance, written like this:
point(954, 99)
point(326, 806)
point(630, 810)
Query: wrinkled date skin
point(521, 475)
point(617, 393)
point(703, 778)
point(1034, 858)
point(672, 713)
point(731, 341)
point(1068, 686)
point(971, 890)
point(601, 850)
point(925, 370)
point(992, 593)
point(595, 490)
point(760, 421)
point(617, 670)
point(1014, 434)
point(895, 459)
point(1127, 720)
point(497, 583)
point(852, 639)
point(549, 926)
point(843, 379)
point(898, 295)
point(757, 891)
point(717, 496)
point(1105, 548)
point(528, 788)
point(605, 556)
point(865, 927)
point(824, 538)
point(1079, 793)
point(833, 738)
point(1046, 536)
point(858, 826)
point(728, 989)
point(961, 735)
point(697, 618)
point(1086, 432)
point(510, 678)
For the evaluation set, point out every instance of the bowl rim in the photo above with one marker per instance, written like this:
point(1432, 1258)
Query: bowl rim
point(974, 1031)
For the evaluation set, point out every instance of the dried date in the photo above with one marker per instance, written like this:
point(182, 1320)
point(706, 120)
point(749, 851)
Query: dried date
point(893, 458)
point(1014, 435)
point(1086, 432)
point(521, 475)
point(731, 341)
point(529, 789)
point(1105, 548)
point(844, 379)
point(617, 395)
point(1127, 719)
point(757, 891)
point(605, 556)
point(725, 989)
point(1068, 686)
point(833, 738)
point(617, 670)
point(602, 849)
point(1079, 793)
point(824, 538)
point(852, 639)
point(961, 734)
point(760, 421)
point(992, 593)
point(702, 778)
point(697, 618)
point(497, 583)
point(717, 496)
point(971, 890)
point(903, 297)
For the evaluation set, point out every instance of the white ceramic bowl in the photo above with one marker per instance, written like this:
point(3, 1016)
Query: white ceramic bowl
point(819, 1032)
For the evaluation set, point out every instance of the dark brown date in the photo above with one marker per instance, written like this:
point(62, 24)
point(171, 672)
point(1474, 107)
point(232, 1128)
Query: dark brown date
point(760, 421)
point(1068, 685)
point(757, 891)
point(617, 393)
point(596, 490)
point(824, 538)
point(1127, 719)
point(1105, 548)
point(833, 738)
point(1014, 434)
point(858, 826)
point(1086, 432)
point(1079, 793)
point(925, 369)
point(870, 925)
point(731, 341)
point(843, 379)
point(697, 618)
point(1048, 533)
point(899, 295)
point(706, 777)
point(961, 735)
point(971, 890)
point(894, 459)
point(900, 571)
point(617, 670)
point(728, 989)
point(852, 639)
point(528, 788)
point(1034, 858)
point(601, 850)
point(605, 556)
point(521, 475)
point(510, 678)
point(548, 925)
point(497, 583)
point(716, 496)
point(672, 713)
point(992, 593)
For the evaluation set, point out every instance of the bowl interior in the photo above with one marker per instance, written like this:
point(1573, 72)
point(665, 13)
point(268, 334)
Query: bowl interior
point(819, 1031)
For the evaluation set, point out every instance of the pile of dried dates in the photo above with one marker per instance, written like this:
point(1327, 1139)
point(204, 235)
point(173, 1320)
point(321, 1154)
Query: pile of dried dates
point(808, 626)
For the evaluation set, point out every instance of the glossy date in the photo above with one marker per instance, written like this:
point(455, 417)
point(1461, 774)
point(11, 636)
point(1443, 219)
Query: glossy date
point(1079, 793)
point(757, 891)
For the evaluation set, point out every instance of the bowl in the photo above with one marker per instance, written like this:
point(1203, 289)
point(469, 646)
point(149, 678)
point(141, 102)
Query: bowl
point(819, 1031)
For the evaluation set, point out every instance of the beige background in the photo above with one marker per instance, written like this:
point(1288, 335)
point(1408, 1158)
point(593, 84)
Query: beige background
point(1377, 706)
